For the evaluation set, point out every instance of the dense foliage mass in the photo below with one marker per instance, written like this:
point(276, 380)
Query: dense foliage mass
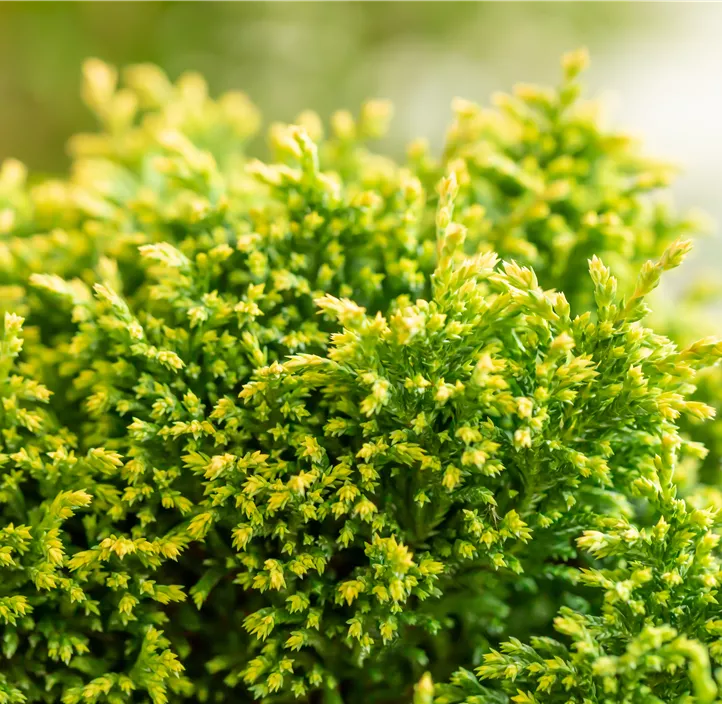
point(331, 428)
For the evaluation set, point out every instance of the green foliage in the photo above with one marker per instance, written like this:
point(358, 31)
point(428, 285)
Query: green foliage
point(312, 428)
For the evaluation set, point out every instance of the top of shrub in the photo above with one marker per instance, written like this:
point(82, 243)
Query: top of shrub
point(314, 427)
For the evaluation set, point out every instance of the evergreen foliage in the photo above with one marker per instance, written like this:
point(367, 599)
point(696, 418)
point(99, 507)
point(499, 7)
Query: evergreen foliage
point(320, 428)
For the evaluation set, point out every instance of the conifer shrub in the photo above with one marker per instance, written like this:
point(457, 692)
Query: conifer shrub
point(332, 428)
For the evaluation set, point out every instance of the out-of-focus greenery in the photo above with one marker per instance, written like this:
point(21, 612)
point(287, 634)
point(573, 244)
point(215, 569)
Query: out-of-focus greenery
point(287, 56)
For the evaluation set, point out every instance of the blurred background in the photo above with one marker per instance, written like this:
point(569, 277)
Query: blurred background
point(659, 64)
